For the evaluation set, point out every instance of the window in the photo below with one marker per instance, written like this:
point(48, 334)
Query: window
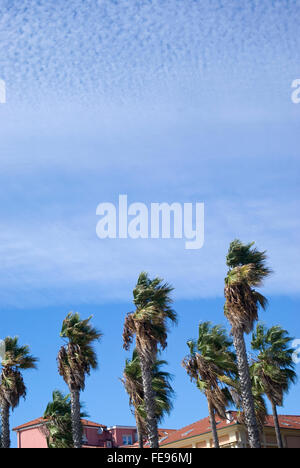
point(127, 440)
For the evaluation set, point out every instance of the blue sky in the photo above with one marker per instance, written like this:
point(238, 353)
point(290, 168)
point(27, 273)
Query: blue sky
point(163, 100)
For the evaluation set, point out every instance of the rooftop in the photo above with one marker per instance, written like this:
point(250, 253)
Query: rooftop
point(203, 426)
point(40, 421)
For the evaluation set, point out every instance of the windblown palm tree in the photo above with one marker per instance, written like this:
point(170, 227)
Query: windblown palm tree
point(133, 384)
point(12, 388)
point(210, 359)
point(59, 421)
point(149, 325)
point(75, 361)
point(273, 369)
point(247, 269)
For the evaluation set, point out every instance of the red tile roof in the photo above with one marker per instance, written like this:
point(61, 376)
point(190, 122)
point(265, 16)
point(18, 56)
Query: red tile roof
point(39, 421)
point(35, 422)
point(197, 428)
point(285, 421)
point(85, 422)
point(203, 427)
point(168, 436)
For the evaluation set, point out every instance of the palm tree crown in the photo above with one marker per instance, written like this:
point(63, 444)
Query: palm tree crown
point(16, 358)
point(247, 269)
point(149, 321)
point(273, 368)
point(133, 383)
point(59, 421)
point(210, 359)
point(77, 357)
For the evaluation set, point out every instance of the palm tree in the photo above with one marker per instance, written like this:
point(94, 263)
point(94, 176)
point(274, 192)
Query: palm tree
point(75, 360)
point(273, 368)
point(15, 359)
point(133, 384)
point(59, 421)
point(210, 359)
point(149, 325)
point(247, 269)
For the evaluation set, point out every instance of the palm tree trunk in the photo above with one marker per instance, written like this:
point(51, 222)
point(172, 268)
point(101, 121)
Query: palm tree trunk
point(140, 432)
point(277, 427)
point(213, 425)
point(5, 436)
point(76, 419)
point(246, 389)
point(151, 421)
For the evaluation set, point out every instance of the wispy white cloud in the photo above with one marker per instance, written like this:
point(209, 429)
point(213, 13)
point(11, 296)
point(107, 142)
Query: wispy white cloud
point(64, 262)
point(164, 100)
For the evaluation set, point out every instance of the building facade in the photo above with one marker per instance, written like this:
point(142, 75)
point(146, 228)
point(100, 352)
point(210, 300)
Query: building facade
point(34, 435)
point(231, 434)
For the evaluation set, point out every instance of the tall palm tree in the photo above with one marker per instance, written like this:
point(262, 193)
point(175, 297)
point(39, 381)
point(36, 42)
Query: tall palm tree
point(149, 325)
point(210, 359)
point(75, 360)
point(273, 368)
point(133, 384)
point(247, 269)
point(12, 388)
point(59, 421)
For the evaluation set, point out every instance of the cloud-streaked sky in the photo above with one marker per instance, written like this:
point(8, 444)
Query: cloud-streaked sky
point(163, 100)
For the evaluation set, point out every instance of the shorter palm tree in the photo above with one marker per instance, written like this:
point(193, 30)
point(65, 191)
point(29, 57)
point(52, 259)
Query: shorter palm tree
point(59, 421)
point(133, 384)
point(273, 368)
point(162, 389)
point(210, 359)
point(75, 361)
point(12, 388)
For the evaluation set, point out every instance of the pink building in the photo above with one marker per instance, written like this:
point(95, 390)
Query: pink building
point(123, 435)
point(33, 435)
